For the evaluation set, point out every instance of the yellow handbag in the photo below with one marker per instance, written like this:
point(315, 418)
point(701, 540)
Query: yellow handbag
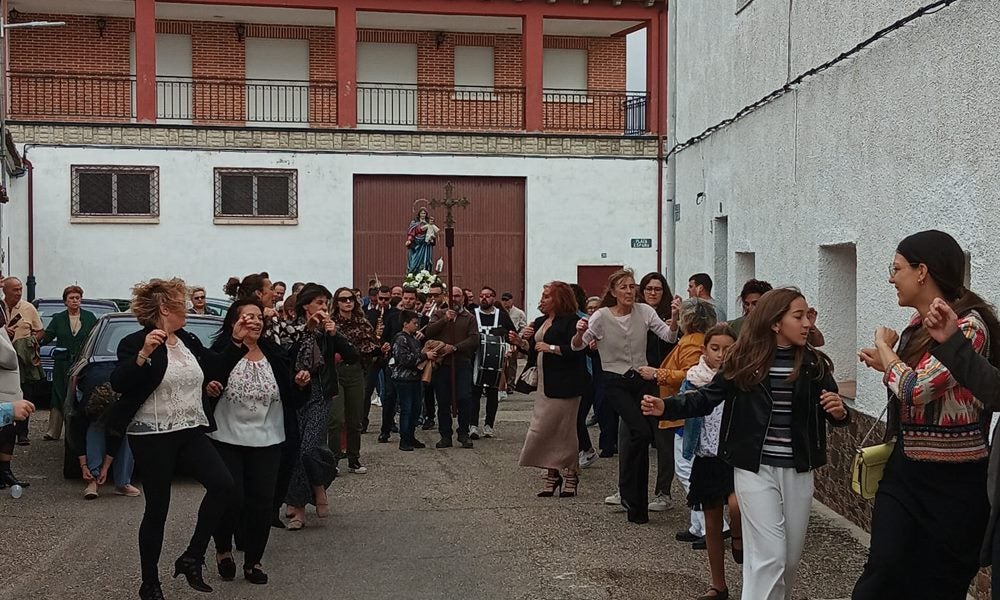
point(869, 464)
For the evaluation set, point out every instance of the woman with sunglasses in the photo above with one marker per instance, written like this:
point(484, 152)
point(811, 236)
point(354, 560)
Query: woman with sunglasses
point(349, 404)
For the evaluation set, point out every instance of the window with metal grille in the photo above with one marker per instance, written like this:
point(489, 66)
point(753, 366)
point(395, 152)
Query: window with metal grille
point(256, 193)
point(115, 191)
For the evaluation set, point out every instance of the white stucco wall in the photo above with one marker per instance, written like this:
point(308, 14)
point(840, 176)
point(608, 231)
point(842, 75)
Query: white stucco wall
point(575, 210)
point(898, 139)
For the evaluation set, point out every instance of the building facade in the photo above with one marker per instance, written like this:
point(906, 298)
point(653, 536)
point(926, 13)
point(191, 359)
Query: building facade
point(817, 187)
point(300, 136)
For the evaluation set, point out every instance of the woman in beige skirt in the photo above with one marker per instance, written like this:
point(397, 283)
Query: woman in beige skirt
point(551, 443)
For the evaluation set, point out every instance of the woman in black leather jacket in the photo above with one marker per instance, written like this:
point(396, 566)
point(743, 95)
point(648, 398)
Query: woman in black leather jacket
point(779, 394)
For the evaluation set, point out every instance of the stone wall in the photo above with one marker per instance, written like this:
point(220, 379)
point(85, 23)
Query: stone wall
point(348, 141)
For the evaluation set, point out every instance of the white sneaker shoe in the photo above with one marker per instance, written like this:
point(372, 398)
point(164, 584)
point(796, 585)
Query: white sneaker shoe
point(502, 396)
point(473, 433)
point(660, 503)
point(615, 501)
point(487, 431)
point(587, 458)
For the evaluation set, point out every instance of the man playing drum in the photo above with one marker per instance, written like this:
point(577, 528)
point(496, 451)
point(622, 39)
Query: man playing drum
point(493, 325)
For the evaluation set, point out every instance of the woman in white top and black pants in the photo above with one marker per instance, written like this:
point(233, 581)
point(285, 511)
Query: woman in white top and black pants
point(250, 424)
point(620, 327)
point(161, 380)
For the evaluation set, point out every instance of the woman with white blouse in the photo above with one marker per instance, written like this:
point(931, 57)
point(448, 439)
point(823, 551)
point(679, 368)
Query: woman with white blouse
point(161, 378)
point(251, 421)
point(620, 327)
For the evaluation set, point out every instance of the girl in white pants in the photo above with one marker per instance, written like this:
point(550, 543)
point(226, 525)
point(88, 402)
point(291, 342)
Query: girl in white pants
point(779, 393)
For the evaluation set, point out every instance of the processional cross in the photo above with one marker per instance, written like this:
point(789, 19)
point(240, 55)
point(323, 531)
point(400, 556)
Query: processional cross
point(449, 203)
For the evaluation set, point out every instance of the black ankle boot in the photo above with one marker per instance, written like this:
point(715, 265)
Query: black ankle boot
point(150, 591)
point(190, 568)
point(8, 479)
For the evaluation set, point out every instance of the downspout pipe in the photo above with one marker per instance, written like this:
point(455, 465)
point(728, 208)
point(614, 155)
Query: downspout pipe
point(670, 30)
point(29, 282)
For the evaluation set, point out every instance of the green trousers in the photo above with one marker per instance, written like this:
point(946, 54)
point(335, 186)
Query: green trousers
point(348, 408)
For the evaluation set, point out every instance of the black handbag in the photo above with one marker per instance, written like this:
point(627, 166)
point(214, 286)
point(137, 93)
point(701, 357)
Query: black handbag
point(527, 382)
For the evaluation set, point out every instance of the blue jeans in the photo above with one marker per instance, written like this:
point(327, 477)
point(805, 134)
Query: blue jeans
point(410, 395)
point(97, 449)
point(463, 397)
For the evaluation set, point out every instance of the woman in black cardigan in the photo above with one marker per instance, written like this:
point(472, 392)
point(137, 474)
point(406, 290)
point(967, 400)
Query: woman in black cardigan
point(551, 442)
point(161, 378)
point(251, 423)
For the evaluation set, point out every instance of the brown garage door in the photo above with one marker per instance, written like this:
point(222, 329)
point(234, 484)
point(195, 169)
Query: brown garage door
point(489, 233)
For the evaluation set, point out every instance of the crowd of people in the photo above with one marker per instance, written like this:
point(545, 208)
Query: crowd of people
point(737, 410)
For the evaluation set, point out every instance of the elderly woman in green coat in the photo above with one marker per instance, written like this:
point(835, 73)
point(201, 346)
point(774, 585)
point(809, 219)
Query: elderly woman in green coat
point(69, 329)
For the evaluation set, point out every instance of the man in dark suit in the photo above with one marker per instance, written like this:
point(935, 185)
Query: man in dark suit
point(379, 315)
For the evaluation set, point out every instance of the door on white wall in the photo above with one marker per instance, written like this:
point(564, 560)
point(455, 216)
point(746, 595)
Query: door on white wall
point(173, 77)
point(387, 85)
point(277, 80)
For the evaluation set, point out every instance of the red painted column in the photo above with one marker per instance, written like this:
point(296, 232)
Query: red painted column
point(532, 51)
point(347, 67)
point(662, 53)
point(654, 79)
point(145, 61)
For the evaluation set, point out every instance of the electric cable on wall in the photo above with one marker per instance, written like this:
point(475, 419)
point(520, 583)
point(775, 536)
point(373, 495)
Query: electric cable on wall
point(794, 83)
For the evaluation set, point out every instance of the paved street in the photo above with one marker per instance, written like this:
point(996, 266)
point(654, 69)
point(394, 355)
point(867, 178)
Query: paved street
point(456, 524)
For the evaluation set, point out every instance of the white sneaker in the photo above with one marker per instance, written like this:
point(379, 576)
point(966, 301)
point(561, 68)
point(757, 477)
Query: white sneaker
point(660, 503)
point(473, 433)
point(587, 458)
point(358, 470)
point(502, 396)
point(615, 501)
point(487, 431)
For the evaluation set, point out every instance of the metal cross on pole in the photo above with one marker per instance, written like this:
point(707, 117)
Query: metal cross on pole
point(449, 203)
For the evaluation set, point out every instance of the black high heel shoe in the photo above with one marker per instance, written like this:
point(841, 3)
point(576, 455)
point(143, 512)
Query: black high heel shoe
point(552, 486)
point(190, 568)
point(150, 591)
point(570, 484)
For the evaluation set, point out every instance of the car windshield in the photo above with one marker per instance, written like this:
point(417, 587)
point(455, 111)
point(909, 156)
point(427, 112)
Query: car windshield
point(116, 330)
point(47, 309)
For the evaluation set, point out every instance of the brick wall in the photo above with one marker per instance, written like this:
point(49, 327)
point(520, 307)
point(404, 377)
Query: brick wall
point(101, 85)
point(219, 67)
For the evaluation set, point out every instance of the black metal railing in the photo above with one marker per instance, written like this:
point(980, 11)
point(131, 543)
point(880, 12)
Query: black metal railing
point(599, 111)
point(480, 108)
point(635, 115)
point(248, 100)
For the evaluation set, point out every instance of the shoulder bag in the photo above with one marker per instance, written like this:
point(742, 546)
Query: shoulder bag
point(869, 463)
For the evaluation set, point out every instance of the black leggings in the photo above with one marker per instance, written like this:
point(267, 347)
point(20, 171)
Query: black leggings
point(249, 507)
point(586, 401)
point(159, 456)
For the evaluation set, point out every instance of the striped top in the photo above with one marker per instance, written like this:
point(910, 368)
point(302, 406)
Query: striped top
point(777, 450)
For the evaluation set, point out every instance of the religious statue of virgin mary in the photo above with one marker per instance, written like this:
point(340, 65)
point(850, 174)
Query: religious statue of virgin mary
point(421, 236)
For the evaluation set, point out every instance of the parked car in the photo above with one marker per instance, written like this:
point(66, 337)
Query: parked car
point(47, 307)
point(98, 360)
point(219, 305)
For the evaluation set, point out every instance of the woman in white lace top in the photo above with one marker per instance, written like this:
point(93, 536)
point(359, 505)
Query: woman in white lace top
point(160, 376)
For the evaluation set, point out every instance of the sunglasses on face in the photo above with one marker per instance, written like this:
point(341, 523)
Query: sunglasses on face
point(198, 298)
point(345, 299)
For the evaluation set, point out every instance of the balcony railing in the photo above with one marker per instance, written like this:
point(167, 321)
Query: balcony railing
point(478, 108)
point(249, 102)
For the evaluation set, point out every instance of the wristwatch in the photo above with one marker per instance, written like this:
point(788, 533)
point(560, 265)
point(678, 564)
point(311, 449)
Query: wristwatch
point(552, 348)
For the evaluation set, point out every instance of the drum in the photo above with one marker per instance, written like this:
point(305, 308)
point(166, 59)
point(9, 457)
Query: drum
point(490, 359)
